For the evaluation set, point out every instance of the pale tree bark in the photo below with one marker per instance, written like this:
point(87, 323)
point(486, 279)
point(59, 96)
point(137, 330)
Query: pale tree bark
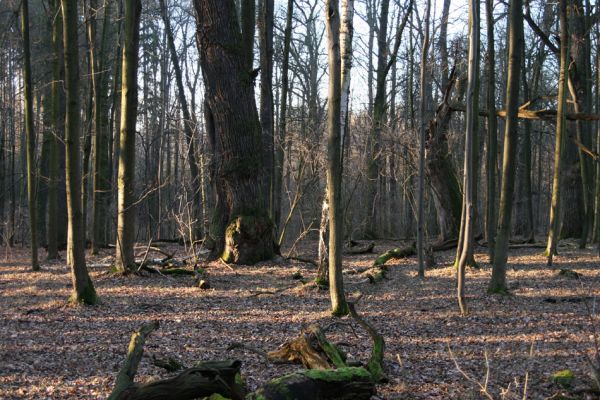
point(124, 259)
point(30, 136)
point(237, 134)
point(422, 131)
point(472, 102)
point(492, 132)
point(334, 167)
point(189, 129)
point(498, 281)
point(83, 289)
point(561, 127)
point(346, 34)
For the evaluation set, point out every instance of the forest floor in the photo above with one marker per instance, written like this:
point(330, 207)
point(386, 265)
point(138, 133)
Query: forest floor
point(52, 351)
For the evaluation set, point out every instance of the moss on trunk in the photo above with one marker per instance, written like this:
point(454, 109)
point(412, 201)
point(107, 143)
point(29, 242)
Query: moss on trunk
point(248, 239)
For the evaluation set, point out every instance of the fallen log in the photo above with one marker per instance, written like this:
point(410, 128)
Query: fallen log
point(394, 254)
point(349, 383)
point(359, 249)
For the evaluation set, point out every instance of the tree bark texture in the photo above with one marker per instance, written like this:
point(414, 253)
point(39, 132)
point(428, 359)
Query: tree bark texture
point(230, 99)
point(124, 259)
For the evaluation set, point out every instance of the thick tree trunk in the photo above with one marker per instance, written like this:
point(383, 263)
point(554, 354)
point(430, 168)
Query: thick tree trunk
point(230, 99)
point(83, 289)
point(124, 259)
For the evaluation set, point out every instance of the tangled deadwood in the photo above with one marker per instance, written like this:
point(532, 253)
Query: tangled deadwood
point(328, 376)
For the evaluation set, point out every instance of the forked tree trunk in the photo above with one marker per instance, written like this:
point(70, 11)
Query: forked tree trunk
point(498, 280)
point(124, 259)
point(230, 100)
point(83, 289)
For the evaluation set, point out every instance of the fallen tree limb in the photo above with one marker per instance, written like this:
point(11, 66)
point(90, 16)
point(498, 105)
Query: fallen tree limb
point(394, 254)
point(545, 114)
point(375, 364)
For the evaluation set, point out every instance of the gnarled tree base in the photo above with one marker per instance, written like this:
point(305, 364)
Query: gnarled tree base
point(248, 240)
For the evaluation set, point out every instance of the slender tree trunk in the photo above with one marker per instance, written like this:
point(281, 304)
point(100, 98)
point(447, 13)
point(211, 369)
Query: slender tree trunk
point(374, 145)
point(472, 103)
point(125, 260)
point(101, 178)
point(561, 127)
point(282, 128)
point(492, 138)
point(334, 167)
point(498, 280)
point(83, 289)
point(265, 29)
point(30, 133)
point(189, 129)
point(421, 184)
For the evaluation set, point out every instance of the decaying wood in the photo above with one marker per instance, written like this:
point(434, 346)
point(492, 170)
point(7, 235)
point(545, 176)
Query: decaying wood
point(304, 260)
point(311, 348)
point(357, 248)
point(349, 383)
point(202, 380)
point(545, 114)
point(394, 254)
point(221, 379)
point(375, 364)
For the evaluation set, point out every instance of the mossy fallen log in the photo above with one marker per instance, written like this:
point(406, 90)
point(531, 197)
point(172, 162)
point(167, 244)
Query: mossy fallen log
point(349, 383)
point(394, 254)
